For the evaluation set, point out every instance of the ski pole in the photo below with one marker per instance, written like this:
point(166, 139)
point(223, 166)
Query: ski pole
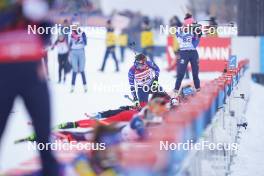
point(30, 138)
point(132, 47)
point(21, 140)
point(99, 121)
point(129, 98)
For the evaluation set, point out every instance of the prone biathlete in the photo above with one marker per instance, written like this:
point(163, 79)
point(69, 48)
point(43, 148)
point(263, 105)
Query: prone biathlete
point(135, 128)
point(121, 114)
point(152, 114)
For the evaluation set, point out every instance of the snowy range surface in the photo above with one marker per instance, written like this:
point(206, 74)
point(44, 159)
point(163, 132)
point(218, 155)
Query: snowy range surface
point(71, 107)
point(249, 160)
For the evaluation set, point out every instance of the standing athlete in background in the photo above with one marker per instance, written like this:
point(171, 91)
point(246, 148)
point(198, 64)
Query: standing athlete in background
point(110, 46)
point(63, 51)
point(22, 71)
point(77, 43)
point(188, 41)
point(173, 47)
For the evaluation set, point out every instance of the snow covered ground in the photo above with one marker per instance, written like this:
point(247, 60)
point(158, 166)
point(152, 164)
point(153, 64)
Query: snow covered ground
point(69, 107)
point(106, 90)
point(249, 160)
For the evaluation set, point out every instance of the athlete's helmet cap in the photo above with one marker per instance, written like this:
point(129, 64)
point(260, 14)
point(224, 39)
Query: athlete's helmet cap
point(140, 58)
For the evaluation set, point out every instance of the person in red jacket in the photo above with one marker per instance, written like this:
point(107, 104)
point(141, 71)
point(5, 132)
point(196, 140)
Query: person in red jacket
point(22, 73)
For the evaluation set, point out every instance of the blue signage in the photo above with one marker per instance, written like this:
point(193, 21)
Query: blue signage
point(232, 62)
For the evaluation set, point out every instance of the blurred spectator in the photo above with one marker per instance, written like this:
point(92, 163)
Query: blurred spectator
point(157, 21)
point(107, 161)
point(110, 46)
point(212, 27)
point(123, 41)
point(22, 72)
point(63, 52)
point(147, 38)
point(66, 28)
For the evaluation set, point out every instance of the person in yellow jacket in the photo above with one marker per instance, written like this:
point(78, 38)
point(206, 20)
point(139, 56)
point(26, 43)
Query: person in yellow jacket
point(122, 41)
point(110, 46)
point(147, 39)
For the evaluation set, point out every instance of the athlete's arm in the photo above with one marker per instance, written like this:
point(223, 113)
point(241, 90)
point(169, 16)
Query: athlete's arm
point(155, 68)
point(195, 41)
point(84, 38)
point(131, 79)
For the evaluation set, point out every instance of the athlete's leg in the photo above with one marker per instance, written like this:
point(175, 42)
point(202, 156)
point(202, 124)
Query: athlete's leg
point(74, 63)
point(194, 59)
point(143, 94)
point(150, 53)
point(60, 62)
point(107, 52)
point(64, 63)
point(82, 65)
point(114, 57)
point(181, 68)
point(109, 113)
point(36, 97)
point(123, 116)
point(122, 53)
point(7, 94)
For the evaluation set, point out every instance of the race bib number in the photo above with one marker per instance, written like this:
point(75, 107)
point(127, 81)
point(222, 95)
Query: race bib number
point(144, 78)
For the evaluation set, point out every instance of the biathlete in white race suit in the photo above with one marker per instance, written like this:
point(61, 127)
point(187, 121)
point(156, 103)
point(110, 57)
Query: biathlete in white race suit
point(63, 53)
point(143, 77)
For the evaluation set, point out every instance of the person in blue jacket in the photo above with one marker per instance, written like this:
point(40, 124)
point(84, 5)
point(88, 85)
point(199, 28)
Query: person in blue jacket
point(144, 74)
point(188, 41)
